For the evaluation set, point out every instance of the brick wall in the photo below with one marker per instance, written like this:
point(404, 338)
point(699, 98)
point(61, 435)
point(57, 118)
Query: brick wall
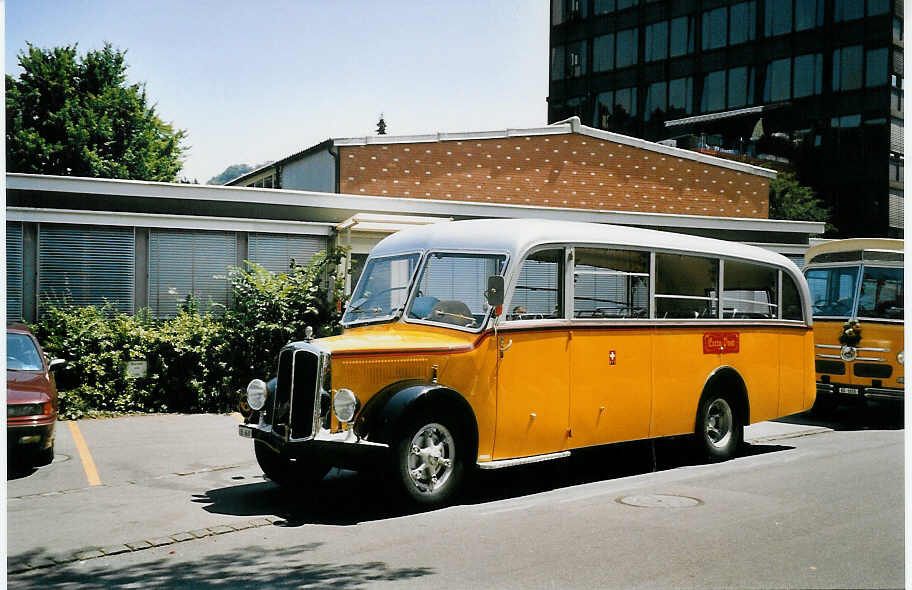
point(569, 170)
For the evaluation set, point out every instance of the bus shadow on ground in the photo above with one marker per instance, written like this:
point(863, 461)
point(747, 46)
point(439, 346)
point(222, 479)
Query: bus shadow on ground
point(848, 416)
point(346, 498)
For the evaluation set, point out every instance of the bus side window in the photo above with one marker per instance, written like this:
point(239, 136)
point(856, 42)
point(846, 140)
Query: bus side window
point(610, 284)
point(539, 292)
point(791, 300)
point(686, 287)
point(750, 291)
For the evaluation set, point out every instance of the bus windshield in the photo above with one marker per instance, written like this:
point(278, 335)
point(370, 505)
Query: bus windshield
point(833, 290)
point(881, 293)
point(383, 289)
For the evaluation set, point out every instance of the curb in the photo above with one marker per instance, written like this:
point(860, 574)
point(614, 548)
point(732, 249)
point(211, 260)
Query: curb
point(98, 552)
point(786, 435)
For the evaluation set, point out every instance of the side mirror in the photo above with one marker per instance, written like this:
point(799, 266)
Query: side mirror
point(495, 292)
point(56, 364)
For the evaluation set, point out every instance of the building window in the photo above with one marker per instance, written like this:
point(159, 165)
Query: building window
point(876, 67)
point(741, 22)
point(576, 60)
point(626, 48)
point(896, 100)
point(557, 63)
point(897, 29)
point(896, 168)
point(778, 18)
point(656, 100)
point(87, 265)
point(603, 53)
point(847, 10)
point(778, 80)
point(808, 14)
point(568, 10)
point(624, 4)
point(847, 69)
point(656, 41)
point(680, 96)
point(740, 87)
point(878, 7)
point(682, 36)
point(846, 121)
point(615, 110)
point(715, 33)
point(274, 252)
point(808, 75)
point(604, 6)
point(265, 182)
point(13, 270)
point(713, 92)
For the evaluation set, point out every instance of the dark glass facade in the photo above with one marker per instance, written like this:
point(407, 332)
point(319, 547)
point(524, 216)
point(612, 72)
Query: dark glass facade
point(812, 85)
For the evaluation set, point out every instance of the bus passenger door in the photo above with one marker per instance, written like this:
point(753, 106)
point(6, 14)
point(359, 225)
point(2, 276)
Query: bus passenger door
point(533, 363)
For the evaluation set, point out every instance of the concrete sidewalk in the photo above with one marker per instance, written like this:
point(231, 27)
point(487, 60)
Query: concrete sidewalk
point(769, 431)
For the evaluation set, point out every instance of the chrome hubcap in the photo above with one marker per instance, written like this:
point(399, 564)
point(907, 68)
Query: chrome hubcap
point(719, 422)
point(430, 457)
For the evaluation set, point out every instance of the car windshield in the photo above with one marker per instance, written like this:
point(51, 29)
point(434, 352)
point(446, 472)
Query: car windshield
point(881, 293)
point(833, 290)
point(451, 288)
point(383, 288)
point(21, 354)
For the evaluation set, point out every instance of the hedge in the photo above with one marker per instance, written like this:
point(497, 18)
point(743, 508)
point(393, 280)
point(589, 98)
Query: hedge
point(198, 361)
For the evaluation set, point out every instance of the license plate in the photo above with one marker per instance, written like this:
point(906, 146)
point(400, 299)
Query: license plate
point(848, 390)
point(245, 431)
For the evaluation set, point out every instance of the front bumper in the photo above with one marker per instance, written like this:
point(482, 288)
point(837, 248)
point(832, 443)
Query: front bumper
point(338, 449)
point(837, 390)
point(26, 439)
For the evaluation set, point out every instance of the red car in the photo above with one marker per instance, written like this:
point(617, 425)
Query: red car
point(31, 399)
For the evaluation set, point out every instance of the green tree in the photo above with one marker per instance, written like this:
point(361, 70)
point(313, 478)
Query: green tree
point(75, 116)
point(789, 199)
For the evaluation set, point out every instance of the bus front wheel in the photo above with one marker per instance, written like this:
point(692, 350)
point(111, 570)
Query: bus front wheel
point(719, 431)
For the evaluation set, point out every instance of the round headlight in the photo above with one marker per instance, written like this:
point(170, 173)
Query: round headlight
point(256, 394)
point(345, 404)
point(900, 357)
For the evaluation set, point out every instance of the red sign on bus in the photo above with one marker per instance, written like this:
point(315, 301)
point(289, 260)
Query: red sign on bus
point(721, 342)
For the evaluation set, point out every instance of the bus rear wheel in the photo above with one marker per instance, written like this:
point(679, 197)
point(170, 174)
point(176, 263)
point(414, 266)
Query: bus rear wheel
point(719, 430)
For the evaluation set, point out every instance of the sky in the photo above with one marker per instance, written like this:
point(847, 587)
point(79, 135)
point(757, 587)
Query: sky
point(254, 81)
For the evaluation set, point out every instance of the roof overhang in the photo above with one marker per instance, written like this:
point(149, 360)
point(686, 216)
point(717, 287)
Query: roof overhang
point(107, 196)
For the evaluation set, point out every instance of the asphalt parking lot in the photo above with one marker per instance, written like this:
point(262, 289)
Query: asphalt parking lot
point(132, 483)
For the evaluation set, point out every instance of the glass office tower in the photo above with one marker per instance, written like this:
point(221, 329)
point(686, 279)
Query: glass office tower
point(810, 85)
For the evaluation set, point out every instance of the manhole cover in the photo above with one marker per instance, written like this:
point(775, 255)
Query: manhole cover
point(659, 501)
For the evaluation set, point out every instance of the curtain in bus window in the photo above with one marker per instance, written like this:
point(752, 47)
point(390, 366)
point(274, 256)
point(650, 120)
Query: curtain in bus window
point(539, 289)
point(686, 287)
point(881, 293)
point(611, 284)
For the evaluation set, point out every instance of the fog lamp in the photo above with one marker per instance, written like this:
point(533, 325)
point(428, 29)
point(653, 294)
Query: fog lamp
point(256, 394)
point(345, 404)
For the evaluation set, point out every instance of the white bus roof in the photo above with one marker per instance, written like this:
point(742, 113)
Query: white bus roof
point(516, 236)
point(854, 245)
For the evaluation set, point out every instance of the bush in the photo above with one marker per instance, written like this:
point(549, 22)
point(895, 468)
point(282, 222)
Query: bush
point(197, 362)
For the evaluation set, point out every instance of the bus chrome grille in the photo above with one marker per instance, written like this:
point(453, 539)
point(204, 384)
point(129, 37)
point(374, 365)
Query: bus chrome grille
point(292, 414)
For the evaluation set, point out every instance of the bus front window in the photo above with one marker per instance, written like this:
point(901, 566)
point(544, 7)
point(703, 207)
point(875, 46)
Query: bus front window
point(881, 293)
point(833, 290)
point(382, 289)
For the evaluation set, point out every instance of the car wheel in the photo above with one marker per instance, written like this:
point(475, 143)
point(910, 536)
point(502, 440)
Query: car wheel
point(719, 432)
point(288, 472)
point(44, 457)
point(429, 458)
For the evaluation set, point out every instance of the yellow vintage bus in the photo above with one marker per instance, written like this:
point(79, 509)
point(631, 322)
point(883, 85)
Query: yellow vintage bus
point(856, 289)
point(494, 343)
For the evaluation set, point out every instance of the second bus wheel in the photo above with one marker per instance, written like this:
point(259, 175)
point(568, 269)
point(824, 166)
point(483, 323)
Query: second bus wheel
point(288, 472)
point(719, 431)
point(429, 460)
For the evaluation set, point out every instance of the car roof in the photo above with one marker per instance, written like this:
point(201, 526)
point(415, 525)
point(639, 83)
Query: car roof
point(17, 328)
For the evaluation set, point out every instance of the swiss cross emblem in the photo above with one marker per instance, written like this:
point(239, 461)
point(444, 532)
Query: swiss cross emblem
point(612, 357)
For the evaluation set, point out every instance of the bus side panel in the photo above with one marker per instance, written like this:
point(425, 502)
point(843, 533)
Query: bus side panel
point(795, 358)
point(679, 372)
point(758, 364)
